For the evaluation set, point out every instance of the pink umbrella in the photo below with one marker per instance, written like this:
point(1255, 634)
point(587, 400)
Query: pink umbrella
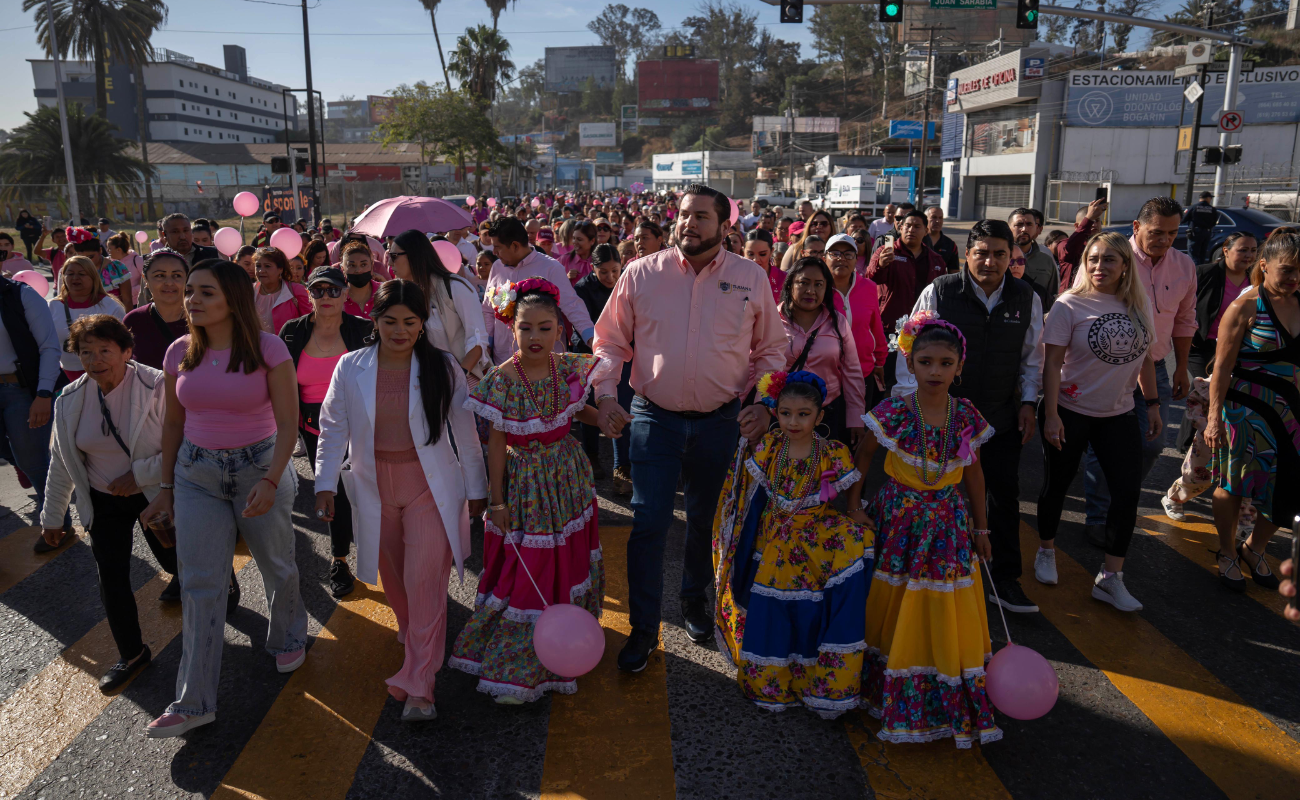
point(396, 214)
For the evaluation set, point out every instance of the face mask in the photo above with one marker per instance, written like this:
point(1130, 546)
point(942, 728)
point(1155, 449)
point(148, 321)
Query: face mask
point(359, 279)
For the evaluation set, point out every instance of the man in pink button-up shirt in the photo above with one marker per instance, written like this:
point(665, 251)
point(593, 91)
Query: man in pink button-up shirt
point(696, 321)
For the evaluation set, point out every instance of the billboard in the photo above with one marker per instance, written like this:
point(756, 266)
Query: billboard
point(597, 134)
point(569, 68)
point(678, 86)
point(380, 107)
point(1149, 98)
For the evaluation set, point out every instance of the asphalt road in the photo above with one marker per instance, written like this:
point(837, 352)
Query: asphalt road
point(1195, 697)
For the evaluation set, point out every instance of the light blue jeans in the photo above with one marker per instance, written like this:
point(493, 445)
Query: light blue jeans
point(1096, 495)
point(212, 489)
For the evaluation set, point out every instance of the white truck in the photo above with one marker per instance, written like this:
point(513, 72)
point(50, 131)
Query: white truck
point(778, 198)
point(851, 192)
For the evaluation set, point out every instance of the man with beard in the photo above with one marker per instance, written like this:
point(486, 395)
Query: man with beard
point(696, 322)
point(1040, 267)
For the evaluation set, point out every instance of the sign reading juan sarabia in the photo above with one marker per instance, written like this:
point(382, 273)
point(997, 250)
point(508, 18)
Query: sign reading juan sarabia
point(1147, 98)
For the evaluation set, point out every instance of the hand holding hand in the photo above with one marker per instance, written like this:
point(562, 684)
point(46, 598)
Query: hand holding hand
point(477, 507)
point(612, 418)
point(753, 422)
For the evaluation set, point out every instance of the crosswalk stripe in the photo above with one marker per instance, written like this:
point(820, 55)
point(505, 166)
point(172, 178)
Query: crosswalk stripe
point(613, 738)
point(929, 771)
point(18, 560)
point(314, 736)
point(1197, 541)
point(1245, 754)
point(49, 711)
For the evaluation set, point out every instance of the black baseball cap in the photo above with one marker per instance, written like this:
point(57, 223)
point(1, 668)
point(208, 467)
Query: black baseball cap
point(270, 216)
point(331, 275)
point(1206, 194)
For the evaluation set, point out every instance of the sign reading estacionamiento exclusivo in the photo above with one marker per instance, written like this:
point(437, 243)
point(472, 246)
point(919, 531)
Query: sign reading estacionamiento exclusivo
point(1147, 98)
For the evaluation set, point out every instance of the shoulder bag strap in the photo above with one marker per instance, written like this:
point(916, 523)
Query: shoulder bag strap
point(163, 328)
point(807, 348)
point(108, 421)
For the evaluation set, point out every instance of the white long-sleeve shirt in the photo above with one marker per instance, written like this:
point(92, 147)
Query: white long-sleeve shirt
point(534, 265)
point(1031, 352)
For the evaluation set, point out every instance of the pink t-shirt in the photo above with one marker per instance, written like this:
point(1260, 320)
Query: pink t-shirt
point(225, 410)
point(1231, 291)
point(1104, 352)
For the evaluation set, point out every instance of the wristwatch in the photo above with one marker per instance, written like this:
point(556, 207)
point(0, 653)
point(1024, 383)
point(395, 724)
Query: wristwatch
point(45, 393)
point(1152, 401)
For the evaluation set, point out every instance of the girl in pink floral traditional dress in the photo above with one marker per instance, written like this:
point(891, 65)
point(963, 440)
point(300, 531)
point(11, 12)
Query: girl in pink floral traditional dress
point(542, 500)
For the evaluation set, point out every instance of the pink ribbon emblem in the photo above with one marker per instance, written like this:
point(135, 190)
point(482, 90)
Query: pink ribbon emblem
point(828, 492)
point(575, 388)
point(963, 450)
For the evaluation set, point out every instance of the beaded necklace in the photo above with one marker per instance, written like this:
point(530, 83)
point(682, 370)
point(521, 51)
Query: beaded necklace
point(925, 444)
point(532, 395)
point(809, 486)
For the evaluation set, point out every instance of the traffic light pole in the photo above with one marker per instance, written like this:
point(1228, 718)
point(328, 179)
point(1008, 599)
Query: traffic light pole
point(1229, 104)
point(1196, 138)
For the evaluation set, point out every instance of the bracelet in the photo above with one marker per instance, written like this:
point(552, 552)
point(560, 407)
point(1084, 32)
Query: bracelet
point(274, 485)
point(981, 531)
point(501, 507)
point(602, 398)
point(166, 486)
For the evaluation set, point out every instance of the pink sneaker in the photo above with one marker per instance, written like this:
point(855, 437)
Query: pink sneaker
point(288, 662)
point(169, 725)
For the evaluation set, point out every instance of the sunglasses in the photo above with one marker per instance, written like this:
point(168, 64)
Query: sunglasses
point(330, 289)
point(395, 253)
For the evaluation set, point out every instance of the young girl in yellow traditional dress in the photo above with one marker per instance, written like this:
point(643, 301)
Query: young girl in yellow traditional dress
point(927, 632)
point(792, 571)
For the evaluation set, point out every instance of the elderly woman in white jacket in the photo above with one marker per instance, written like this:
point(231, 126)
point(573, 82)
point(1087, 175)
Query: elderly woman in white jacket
point(417, 475)
point(106, 440)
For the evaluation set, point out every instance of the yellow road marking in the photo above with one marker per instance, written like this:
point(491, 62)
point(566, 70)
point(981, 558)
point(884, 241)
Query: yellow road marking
point(18, 560)
point(313, 737)
point(1198, 541)
point(612, 739)
point(43, 717)
point(929, 771)
point(1246, 755)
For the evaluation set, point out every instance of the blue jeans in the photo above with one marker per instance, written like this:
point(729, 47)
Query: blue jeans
point(1096, 495)
point(665, 445)
point(27, 448)
point(622, 456)
point(212, 489)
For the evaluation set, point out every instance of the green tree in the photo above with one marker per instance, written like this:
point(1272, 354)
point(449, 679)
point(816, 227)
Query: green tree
point(1266, 12)
point(1132, 8)
point(729, 33)
point(481, 62)
point(495, 7)
point(34, 155)
point(627, 30)
point(447, 124)
point(777, 61)
point(845, 34)
point(432, 7)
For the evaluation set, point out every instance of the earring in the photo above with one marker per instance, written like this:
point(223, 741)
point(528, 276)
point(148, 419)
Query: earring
point(957, 380)
point(826, 435)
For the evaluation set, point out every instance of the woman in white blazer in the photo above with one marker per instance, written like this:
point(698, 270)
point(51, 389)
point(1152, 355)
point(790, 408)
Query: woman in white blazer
point(417, 475)
point(105, 444)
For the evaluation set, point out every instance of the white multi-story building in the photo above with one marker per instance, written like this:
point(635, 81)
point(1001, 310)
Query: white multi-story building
point(186, 101)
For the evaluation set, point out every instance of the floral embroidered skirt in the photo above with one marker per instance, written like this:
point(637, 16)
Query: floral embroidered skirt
point(555, 532)
point(927, 629)
point(791, 613)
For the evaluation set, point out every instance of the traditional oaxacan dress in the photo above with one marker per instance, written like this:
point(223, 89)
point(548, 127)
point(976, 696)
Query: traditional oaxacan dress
point(1260, 416)
point(792, 578)
point(927, 631)
point(553, 513)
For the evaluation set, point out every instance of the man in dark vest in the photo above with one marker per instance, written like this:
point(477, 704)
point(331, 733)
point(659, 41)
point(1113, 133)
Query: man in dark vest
point(1002, 320)
point(29, 368)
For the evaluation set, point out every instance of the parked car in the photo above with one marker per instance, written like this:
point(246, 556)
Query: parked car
point(1250, 220)
point(818, 201)
point(780, 198)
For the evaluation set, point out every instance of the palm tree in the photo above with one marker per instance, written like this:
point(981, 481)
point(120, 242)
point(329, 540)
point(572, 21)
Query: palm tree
point(34, 154)
point(432, 7)
point(495, 7)
point(481, 62)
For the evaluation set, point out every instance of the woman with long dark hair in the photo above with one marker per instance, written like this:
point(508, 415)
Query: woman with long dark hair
point(398, 407)
point(277, 298)
point(455, 319)
point(820, 225)
point(577, 262)
point(227, 439)
point(649, 238)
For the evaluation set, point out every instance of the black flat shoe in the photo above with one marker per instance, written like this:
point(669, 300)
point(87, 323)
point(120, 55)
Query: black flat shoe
point(699, 622)
point(172, 594)
point(232, 597)
point(1265, 579)
point(123, 671)
point(341, 580)
point(636, 653)
point(1237, 584)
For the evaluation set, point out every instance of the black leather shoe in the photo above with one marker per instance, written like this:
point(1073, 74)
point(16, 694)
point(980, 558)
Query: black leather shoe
point(172, 594)
point(123, 671)
point(636, 653)
point(232, 597)
point(699, 621)
point(341, 581)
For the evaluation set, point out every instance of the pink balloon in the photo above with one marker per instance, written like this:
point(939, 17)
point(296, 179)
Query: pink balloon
point(568, 640)
point(735, 211)
point(1021, 683)
point(287, 241)
point(33, 279)
point(228, 241)
point(536, 202)
point(469, 201)
point(141, 237)
point(492, 202)
point(449, 254)
point(246, 204)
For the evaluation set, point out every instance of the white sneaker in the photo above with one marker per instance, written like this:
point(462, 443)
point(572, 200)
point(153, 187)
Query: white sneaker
point(301, 449)
point(1173, 510)
point(1112, 590)
point(1045, 567)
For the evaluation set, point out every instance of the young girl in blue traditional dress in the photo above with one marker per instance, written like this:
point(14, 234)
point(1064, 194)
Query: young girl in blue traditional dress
point(542, 500)
point(792, 571)
point(927, 633)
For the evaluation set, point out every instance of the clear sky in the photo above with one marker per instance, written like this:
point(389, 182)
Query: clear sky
point(359, 47)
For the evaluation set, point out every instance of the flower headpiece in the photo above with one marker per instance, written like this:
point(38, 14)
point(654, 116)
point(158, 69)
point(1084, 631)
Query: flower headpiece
point(918, 322)
point(771, 385)
point(504, 297)
point(79, 235)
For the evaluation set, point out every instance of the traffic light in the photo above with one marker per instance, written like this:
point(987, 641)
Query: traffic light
point(891, 11)
point(280, 165)
point(1213, 155)
point(1027, 14)
point(792, 10)
point(1232, 154)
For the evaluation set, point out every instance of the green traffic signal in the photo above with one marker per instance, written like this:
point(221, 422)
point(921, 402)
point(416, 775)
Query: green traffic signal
point(891, 10)
point(1031, 15)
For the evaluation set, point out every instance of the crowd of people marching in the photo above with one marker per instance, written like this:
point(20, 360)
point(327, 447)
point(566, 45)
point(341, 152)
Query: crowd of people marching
point(755, 362)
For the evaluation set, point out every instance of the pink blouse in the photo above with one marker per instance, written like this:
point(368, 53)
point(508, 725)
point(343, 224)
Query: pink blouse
point(392, 416)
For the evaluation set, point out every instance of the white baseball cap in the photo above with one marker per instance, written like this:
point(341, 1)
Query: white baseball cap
point(842, 238)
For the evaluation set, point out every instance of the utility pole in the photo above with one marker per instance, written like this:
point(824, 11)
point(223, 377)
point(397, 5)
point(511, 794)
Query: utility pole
point(925, 116)
point(789, 116)
point(1196, 119)
point(74, 206)
point(311, 114)
point(1229, 104)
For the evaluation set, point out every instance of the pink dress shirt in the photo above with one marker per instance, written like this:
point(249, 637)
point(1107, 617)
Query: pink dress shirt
point(1171, 288)
point(535, 265)
point(698, 337)
point(824, 360)
point(574, 262)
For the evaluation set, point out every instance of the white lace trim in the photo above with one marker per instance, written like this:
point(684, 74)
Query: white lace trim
point(891, 445)
point(809, 501)
point(535, 425)
point(721, 642)
point(526, 616)
point(465, 665)
point(951, 680)
point(544, 540)
point(919, 584)
point(496, 689)
point(795, 658)
point(814, 595)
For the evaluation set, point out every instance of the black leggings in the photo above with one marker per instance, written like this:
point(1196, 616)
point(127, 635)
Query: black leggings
point(1117, 442)
point(112, 535)
point(341, 527)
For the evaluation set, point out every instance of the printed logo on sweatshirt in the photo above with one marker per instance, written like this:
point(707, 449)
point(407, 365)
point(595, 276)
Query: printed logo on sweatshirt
point(1114, 339)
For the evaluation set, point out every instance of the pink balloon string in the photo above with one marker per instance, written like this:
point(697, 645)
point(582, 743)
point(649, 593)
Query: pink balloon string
point(999, 605)
point(518, 555)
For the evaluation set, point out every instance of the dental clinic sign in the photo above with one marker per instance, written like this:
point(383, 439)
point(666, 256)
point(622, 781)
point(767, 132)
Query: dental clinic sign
point(996, 82)
point(1146, 98)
